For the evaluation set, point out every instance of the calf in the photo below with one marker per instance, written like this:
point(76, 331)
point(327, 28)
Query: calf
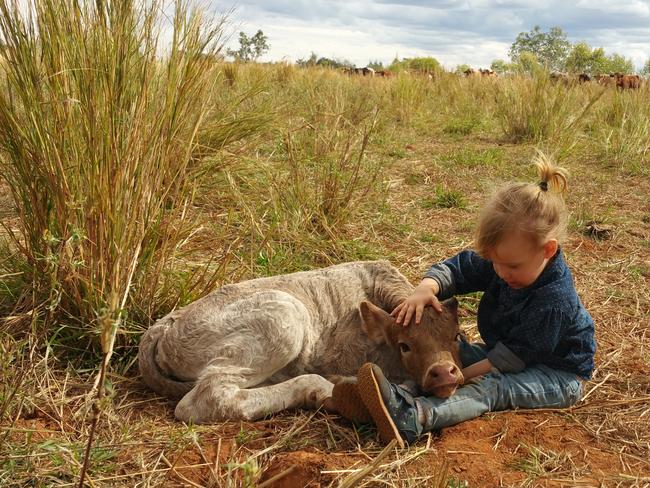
point(261, 346)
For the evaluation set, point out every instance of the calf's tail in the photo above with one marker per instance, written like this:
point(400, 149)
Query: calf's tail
point(151, 373)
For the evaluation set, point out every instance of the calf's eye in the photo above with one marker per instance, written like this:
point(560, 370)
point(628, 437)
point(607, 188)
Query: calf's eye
point(404, 347)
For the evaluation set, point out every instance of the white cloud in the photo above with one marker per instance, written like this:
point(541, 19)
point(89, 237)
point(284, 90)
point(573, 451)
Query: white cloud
point(638, 7)
point(453, 31)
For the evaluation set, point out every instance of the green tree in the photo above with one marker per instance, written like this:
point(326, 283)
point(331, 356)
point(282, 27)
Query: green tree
point(314, 60)
point(334, 63)
point(528, 63)
point(502, 67)
point(461, 68)
point(310, 61)
point(584, 59)
point(422, 65)
point(376, 65)
point(615, 63)
point(550, 48)
point(250, 48)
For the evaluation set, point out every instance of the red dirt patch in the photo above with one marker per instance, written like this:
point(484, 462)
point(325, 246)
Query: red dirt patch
point(303, 470)
point(510, 447)
point(507, 449)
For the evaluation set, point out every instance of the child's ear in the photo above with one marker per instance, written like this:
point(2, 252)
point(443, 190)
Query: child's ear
point(550, 248)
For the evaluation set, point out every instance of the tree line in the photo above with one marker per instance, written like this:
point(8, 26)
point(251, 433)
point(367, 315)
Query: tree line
point(531, 51)
point(553, 51)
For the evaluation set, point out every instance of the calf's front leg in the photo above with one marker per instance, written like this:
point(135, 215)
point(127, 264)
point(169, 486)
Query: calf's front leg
point(211, 400)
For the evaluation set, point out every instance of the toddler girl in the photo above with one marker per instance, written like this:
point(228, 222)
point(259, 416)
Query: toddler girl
point(538, 339)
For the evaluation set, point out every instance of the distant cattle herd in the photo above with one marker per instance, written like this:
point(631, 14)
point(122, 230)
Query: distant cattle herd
point(619, 80)
point(483, 73)
point(367, 71)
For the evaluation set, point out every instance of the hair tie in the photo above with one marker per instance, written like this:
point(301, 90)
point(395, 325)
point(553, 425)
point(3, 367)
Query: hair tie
point(543, 185)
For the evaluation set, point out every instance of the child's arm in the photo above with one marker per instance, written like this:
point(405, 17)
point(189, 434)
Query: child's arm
point(479, 368)
point(464, 273)
point(423, 295)
point(460, 274)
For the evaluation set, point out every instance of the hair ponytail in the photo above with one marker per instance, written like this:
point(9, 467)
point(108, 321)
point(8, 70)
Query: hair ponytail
point(535, 209)
point(551, 178)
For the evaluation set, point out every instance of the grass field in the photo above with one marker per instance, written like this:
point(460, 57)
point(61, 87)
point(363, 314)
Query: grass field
point(126, 195)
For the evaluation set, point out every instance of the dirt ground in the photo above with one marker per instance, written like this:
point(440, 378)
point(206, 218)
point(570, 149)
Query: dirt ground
point(603, 441)
point(547, 448)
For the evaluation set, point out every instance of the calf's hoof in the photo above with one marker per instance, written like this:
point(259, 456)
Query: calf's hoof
point(317, 390)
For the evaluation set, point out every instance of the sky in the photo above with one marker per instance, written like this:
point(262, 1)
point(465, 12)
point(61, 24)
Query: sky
point(473, 32)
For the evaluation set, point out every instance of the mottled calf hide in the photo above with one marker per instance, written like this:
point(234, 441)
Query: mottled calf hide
point(261, 346)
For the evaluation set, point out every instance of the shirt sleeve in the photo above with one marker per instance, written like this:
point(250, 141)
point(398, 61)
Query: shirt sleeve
point(464, 273)
point(534, 340)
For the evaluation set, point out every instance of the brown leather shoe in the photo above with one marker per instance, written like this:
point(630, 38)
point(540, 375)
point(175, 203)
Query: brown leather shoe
point(391, 406)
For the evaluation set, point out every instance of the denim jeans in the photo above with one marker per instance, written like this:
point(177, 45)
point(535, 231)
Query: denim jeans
point(536, 386)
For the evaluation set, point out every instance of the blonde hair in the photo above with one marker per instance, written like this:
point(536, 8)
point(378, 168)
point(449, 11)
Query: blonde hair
point(536, 209)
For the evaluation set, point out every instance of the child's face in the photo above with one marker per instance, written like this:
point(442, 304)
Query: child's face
point(518, 261)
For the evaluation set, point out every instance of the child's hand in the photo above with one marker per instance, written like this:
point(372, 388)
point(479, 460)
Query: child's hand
point(423, 295)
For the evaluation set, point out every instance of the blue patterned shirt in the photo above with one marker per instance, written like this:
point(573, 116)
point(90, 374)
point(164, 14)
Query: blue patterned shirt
point(543, 323)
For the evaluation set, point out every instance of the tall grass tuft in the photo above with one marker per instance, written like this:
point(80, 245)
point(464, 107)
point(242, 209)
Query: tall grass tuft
point(328, 171)
point(535, 109)
point(468, 101)
point(99, 123)
point(621, 132)
point(407, 97)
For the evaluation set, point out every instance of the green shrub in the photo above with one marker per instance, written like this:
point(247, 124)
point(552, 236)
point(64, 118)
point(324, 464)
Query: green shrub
point(445, 199)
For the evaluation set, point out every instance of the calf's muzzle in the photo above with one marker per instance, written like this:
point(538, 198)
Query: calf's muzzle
point(442, 379)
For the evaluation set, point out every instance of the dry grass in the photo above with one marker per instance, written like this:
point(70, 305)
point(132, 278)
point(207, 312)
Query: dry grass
point(436, 150)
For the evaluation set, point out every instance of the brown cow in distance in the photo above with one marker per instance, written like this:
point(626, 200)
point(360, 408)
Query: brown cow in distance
point(487, 72)
point(625, 82)
point(584, 78)
point(481, 72)
point(359, 71)
point(620, 80)
point(557, 76)
point(606, 80)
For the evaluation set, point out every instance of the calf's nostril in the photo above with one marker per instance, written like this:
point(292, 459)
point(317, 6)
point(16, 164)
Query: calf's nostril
point(443, 372)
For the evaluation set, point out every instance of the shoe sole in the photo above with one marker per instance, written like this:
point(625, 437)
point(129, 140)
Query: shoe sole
point(370, 393)
point(348, 403)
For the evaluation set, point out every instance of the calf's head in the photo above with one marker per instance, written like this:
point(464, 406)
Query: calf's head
point(429, 351)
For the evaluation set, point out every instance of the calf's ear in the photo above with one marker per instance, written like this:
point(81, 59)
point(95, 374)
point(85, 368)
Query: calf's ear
point(376, 322)
point(451, 304)
point(453, 324)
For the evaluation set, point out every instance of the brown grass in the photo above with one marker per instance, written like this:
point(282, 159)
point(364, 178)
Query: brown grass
point(603, 441)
